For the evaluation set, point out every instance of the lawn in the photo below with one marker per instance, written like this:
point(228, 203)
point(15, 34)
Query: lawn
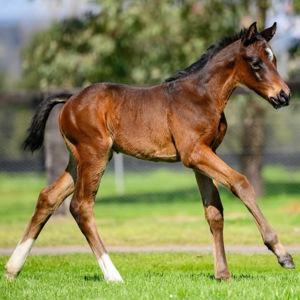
point(152, 276)
point(159, 208)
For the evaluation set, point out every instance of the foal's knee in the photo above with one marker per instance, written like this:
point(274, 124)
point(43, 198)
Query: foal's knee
point(75, 209)
point(81, 211)
point(214, 218)
point(47, 200)
point(242, 188)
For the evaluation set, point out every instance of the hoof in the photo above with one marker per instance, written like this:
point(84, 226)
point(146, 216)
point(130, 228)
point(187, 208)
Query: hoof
point(287, 263)
point(225, 276)
point(115, 280)
point(10, 276)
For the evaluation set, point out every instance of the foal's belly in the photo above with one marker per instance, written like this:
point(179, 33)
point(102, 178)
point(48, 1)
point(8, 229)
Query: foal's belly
point(154, 146)
point(146, 152)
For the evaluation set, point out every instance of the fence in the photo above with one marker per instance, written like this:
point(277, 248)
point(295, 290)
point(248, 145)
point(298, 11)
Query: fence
point(282, 133)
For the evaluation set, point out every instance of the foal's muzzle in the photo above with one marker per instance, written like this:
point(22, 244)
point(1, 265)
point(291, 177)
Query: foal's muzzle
point(282, 99)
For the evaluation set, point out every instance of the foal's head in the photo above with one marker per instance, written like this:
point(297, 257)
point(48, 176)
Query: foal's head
point(257, 66)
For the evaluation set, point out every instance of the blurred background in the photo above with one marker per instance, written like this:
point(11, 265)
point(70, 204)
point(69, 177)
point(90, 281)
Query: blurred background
point(53, 45)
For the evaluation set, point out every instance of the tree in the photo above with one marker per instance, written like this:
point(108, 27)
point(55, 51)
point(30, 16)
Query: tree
point(253, 143)
point(253, 140)
point(132, 42)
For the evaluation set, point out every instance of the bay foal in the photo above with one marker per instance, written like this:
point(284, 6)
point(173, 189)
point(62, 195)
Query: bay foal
point(181, 119)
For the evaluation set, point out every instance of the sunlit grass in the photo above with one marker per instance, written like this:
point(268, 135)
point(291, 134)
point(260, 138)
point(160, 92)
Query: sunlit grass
point(152, 276)
point(158, 208)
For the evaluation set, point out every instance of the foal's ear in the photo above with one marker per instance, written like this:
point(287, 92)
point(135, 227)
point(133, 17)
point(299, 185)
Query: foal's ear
point(268, 33)
point(249, 37)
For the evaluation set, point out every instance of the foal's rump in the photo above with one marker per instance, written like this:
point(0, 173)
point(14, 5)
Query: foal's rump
point(135, 119)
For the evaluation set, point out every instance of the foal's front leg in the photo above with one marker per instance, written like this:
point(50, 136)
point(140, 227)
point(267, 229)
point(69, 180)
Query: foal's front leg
point(214, 216)
point(90, 170)
point(205, 160)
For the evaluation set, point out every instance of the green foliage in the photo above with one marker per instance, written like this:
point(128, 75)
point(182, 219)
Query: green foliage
point(133, 42)
point(12, 120)
point(296, 6)
point(152, 276)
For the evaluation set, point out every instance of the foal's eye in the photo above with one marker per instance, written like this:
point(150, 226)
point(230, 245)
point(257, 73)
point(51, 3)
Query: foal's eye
point(256, 64)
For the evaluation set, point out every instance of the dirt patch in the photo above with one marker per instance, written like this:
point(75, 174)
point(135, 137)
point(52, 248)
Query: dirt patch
point(235, 216)
point(178, 219)
point(293, 208)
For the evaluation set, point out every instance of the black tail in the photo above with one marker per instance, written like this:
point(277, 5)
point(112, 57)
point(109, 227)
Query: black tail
point(36, 130)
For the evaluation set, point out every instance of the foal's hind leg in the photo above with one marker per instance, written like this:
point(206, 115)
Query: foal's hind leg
point(49, 200)
point(91, 165)
point(214, 216)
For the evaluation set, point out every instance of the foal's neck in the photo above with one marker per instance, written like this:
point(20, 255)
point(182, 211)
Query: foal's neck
point(219, 76)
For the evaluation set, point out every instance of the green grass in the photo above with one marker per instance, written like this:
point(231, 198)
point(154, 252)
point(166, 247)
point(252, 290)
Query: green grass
point(159, 208)
point(152, 276)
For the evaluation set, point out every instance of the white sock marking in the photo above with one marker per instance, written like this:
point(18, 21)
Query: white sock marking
point(18, 258)
point(108, 269)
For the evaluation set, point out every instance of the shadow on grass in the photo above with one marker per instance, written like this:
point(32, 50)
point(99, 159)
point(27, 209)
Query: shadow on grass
point(188, 195)
point(196, 277)
point(233, 277)
point(243, 276)
point(93, 278)
point(286, 188)
point(192, 194)
point(209, 276)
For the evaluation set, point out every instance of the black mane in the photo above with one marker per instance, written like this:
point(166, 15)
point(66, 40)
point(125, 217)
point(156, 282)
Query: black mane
point(210, 52)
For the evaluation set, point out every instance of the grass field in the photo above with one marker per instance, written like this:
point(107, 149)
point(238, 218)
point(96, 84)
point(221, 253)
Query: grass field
point(159, 208)
point(152, 276)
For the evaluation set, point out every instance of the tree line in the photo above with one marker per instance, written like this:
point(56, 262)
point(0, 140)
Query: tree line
point(142, 43)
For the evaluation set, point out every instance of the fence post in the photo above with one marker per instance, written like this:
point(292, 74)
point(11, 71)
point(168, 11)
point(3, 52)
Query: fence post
point(56, 154)
point(119, 173)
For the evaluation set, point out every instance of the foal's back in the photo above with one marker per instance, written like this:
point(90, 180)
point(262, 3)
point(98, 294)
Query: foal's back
point(135, 119)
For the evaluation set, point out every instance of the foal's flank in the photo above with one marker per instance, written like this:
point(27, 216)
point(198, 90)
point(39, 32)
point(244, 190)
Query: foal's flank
point(181, 119)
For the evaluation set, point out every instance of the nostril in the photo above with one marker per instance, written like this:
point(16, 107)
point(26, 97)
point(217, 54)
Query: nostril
point(283, 96)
